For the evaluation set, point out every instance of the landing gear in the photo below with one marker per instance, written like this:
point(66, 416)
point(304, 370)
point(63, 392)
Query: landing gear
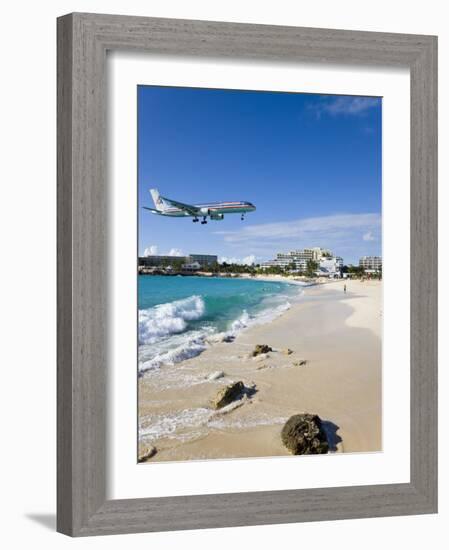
point(203, 221)
point(195, 220)
point(242, 217)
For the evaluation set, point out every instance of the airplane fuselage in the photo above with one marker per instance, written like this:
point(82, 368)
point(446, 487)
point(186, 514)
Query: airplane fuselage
point(211, 209)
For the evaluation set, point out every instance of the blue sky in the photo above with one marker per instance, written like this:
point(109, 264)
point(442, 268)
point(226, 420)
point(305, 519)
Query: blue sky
point(310, 163)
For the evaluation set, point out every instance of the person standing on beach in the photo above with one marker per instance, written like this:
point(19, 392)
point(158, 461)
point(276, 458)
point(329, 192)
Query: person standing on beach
point(344, 288)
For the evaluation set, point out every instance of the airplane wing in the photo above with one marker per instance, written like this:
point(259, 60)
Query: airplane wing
point(152, 210)
point(192, 210)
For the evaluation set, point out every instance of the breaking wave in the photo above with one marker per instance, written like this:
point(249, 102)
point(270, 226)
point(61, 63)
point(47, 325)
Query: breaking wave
point(176, 331)
point(178, 349)
point(165, 319)
point(264, 316)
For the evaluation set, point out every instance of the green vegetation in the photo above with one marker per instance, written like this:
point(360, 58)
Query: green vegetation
point(230, 268)
point(358, 272)
point(272, 270)
point(177, 265)
point(254, 269)
point(354, 270)
point(311, 268)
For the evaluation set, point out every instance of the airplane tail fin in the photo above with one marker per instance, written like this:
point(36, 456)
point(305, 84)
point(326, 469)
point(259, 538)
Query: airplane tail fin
point(158, 200)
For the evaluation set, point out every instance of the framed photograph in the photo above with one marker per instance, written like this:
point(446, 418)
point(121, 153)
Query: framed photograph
point(247, 274)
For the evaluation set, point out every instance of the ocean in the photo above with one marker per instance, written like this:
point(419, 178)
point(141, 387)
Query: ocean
point(179, 317)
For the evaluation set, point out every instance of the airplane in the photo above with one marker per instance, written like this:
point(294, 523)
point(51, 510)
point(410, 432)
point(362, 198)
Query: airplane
point(215, 210)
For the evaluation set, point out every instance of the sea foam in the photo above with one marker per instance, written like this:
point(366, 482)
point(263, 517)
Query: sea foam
point(184, 347)
point(171, 318)
point(265, 316)
point(166, 338)
point(190, 424)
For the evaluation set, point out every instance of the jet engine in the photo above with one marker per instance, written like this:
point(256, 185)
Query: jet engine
point(216, 216)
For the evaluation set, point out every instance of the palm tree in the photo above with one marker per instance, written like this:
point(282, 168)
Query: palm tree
point(311, 268)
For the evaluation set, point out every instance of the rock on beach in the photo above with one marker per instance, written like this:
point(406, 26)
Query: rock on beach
point(232, 392)
point(261, 348)
point(303, 434)
point(147, 453)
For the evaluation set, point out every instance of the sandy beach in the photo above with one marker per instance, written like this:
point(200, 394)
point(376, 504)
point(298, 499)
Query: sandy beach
point(337, 334)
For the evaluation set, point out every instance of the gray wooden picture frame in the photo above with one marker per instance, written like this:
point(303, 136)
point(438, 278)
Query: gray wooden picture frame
point(83, 40)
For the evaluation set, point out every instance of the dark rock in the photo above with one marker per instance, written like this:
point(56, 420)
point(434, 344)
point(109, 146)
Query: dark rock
point(261, 348)
point(300, 363)
point(229, 393)
point(147, 453)
point(303, 434)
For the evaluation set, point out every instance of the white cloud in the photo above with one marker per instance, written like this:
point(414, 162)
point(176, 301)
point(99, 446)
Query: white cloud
point(175, 252)
point(340, 233)
point(153, 250)
point(351, 105)
point(369, 236)
point(344, 105)
point(150, 251)
point(247, 260)
point(325, 226)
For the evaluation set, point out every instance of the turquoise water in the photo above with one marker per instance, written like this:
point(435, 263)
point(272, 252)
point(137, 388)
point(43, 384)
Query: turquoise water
point(180, 316)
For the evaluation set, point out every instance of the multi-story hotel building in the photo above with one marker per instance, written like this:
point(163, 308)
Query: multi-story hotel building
point(203, 259)
point(298, 258)
point(371, 263)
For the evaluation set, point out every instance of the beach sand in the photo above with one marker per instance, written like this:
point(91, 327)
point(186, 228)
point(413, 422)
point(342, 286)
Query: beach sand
point(339, 337)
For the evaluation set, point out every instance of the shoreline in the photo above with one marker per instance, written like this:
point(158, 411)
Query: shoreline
point(337, 334)
point(225, 275)
point(258, 276)
point(199, 339)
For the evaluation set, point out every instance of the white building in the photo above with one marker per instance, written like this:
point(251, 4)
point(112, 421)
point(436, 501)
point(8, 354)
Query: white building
point(297, 260)
point(330, 267)
point(204, 260)
point(292, 260)
point(371, 263)
point(194, 266)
